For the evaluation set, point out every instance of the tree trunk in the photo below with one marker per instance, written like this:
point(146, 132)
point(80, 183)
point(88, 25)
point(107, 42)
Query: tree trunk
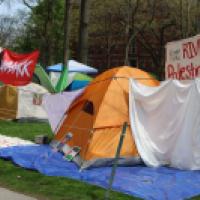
point(181, 17)
point(68, 5)
point(198, 17)
point(108, 28)
point(188, 18)
point(49, 29)
point(49, 24)
point(83, 32)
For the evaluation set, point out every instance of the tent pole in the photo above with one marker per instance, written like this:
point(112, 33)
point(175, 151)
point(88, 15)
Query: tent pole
point(117, 155)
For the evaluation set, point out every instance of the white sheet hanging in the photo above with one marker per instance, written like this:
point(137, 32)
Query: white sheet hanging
point(56, 106)
point(165, 122)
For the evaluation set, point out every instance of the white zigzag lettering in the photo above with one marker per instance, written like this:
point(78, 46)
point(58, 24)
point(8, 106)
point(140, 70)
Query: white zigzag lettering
point(18, 68)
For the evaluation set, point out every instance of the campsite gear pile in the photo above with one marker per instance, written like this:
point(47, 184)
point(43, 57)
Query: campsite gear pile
point(61, 146)
point(162, 124)
point(41, 139)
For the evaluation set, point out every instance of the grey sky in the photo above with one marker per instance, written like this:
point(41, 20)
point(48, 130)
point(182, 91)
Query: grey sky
point(10, 7)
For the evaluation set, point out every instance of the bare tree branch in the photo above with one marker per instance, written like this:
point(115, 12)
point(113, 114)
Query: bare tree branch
point(27, 4)
point(31, 3)
point(126, 62)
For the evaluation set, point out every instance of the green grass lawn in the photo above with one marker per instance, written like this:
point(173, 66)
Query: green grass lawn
point(40, 186)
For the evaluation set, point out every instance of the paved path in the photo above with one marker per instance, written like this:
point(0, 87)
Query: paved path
point(9, 195)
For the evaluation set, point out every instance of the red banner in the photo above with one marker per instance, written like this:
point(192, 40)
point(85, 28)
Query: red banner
point(17, 69)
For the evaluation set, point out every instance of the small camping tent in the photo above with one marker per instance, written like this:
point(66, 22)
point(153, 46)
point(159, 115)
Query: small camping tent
point(73, 68)
point(22, 102)
point(96, 118)
point(78, 81)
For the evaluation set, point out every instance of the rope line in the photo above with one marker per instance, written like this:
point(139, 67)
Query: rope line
point(78, 128)
point(119, 77)
point(24, 90)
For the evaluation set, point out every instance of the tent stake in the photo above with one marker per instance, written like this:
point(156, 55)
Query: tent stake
point(117, 155)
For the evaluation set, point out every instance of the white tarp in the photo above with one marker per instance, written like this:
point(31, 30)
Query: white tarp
point(165, 122)
point(6, 141)
point(56, 106)
point(30, 99)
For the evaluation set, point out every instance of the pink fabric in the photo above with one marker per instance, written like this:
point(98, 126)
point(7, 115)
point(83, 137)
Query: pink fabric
point(57, 104)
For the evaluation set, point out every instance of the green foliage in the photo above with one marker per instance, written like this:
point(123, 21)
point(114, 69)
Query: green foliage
point(112, 24)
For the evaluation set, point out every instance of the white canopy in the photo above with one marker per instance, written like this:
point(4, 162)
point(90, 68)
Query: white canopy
point(73, 66)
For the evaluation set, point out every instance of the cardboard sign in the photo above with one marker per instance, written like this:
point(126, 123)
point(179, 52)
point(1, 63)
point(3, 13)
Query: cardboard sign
point(183, 59)
point(17, 69)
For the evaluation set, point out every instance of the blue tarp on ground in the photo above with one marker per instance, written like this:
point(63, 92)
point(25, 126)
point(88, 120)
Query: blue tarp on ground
point(139, 181)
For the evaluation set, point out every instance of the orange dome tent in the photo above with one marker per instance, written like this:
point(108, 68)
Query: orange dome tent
point(96, 118)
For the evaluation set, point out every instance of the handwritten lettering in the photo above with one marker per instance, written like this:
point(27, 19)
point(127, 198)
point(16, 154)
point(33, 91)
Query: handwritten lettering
point(18, 68)
point(183, 72)
point(175, 55)
point(190, 49)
